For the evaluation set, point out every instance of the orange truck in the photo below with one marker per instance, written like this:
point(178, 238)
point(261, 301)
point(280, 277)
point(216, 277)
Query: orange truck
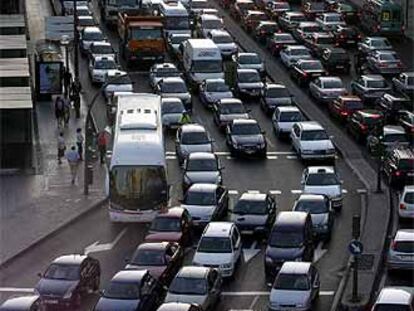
point(141, 38)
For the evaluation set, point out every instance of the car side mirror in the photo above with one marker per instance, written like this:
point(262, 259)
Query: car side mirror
point(39, 274)
point(331, 137)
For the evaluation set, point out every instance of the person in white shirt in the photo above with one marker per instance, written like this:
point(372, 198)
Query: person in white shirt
point(73, 159)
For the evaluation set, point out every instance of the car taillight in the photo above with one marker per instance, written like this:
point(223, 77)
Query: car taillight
point(363, 127)
point(412, 129)
point(403, 28)
point(344, 113)
point(402, 206)
point(342, 36)
point(393, 245)
point(383, 65)
point(305, 74)
point(397, 173)
point(378, 27)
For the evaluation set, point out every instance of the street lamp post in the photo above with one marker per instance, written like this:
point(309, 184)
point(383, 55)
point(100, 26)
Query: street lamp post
point(89, 134)
point(76, 84)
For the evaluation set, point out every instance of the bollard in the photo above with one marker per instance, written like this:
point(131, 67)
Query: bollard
point(90, 174)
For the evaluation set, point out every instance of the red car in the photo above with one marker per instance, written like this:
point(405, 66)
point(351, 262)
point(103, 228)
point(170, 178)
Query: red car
point(344, 106)
point(174, 225)
point(365, 122)
point(162, 260)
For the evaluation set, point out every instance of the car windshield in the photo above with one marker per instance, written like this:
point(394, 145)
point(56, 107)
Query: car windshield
point(404, 247)
point(391, 307)
point(167, 72)
point(322, 179)
point(105, 64)
point(166, 224)
point(213, 24)
point(222, 39)
point(284, 38)
point(93, 36)
point(326, 40)
point(290, 116)
point(332, 84)
point(62, 272)
point(409, 198)
point(311, 65)
point(194, 138)
point(249, 59)
point(395, 138)
point(277, 92)
point(203, 165)
point(173, 87)
point(245, 129)
point(232, 108)
point(250, 207)
point(217, 87)
point(249, 77)
point(286, 239)
point(291, 282)
point(333, 18)
point(172, 107)
point(389, 57)
point(86, 22)
point(214, 245)
point(338, 56)
point(376, 84)
point(207, 66)
point(188, 286)
point(101, 49)
point(311, 29)
point(122, 290)
point(314, 135)
point(299, 52)
point(178, 39)
point(200, 198)
point(406, 164)
point(148, 257)
point(380, 43)
point(312, 206)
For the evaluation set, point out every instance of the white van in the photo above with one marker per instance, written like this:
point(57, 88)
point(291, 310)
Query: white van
point(202, 60)
point(176, 18)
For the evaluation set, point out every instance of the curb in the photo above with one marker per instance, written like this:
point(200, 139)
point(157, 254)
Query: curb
point(41, 239)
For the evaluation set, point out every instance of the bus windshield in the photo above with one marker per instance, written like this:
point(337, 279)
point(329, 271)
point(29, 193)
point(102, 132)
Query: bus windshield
point(138, 187)
point(177, 22)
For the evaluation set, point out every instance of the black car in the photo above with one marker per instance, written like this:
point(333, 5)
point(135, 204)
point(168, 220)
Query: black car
point(336, 60)
point(245, 137)
point(390, 105)
point(399, 167)
point(406, 120)
point(228, 109)
point(291, 239)
point(254, 214)
point(278, 41)
point(304, 71)
point(131, 290)
point(264, 30)
point(67, 279)
point(346, 36)
point(364, 122)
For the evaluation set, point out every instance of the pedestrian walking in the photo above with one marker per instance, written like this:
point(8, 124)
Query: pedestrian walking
point(185, 118)
point(67, 77)
point(79, 142)
point(102, 145)
point(66, 112)
point(59, 111)
point(75, 97)
point(61, 146)
point(73, 159)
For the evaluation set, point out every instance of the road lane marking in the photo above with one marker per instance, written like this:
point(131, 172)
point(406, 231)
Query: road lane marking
point(227, 153)
point(16, 290)
point(271, 157)
point(255, 299)
point(269, 141)
point(295, 191)
point(344, 191)
point(361, 191)
point(327, 293)
point(264, 293)
point(222, 153)
point(233, 192)
point(275, 192)
point(319, 252)
point(95, 247)
point(170, 157)
point(291, 157)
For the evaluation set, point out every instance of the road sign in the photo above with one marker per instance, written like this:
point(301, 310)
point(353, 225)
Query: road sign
point(355, 247)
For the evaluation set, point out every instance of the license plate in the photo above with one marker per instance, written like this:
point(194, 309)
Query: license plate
point(351, 41)
point(51, 301)
point(247, 232)
point(148, 57)
point(339, 66)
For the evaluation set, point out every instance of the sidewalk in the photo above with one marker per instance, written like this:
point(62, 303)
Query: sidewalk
point(34, 206)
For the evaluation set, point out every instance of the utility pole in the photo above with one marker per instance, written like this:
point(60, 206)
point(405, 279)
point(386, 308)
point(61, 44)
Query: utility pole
point(355, 248)
point(76, 84)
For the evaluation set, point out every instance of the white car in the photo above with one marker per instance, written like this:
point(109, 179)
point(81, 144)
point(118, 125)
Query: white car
point(101, 48)
point(161, 71)
point(401, 251)
point(220, 245)
point(406, 206)
point(328, 21)
point(323, 180)
point(311, 142)
point(192, 138)
point(89, 35)
point(284, 117)
point(172, 110)
point(100, 67)
point(174, 40)
point(117, 81)
point(394, 298)
point(290, 54)
point(327, 89)
point(224, 42)
point(174, 87)
point(207, 23)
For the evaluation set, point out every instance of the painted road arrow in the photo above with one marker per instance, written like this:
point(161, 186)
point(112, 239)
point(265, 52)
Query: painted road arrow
point(319, 252)
point(95, 247)
point(249, 253)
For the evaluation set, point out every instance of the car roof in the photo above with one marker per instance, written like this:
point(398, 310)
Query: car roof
point(193, 272)
point(165, 65)
point(247, 54)
point(288, 109)
point(173, 80)
point(246, 70)
point(204, 17)
point(311, 197)
point(372, 77)
point(92, 29)
point(250, 196)
point(296, 47)
point(225, 101)
point(172, 212)
point(294, 267)
point(398, 295)
point(393, 129)
point(330, 78)
point(307, 23)
point(171, 100)
point(98, 58)
point(290, 219)
point(200, 187)
point(320, 169)
point(153, 245)
point(349, 98)
point(215, 80)
point(219, 32)
point(404, 235)
point(321, 34)
point(201, 156)
point(19, 303)
point(174, 306)
point(101, 43)
point(134, 276)
point(218, 229)
point(375, 38)
point(244, 121)
point(300, 61)
point(292, 13)
point(310, 125)
point(253, 12)
point(70, 259)
point(275, 86)
point(194, 127)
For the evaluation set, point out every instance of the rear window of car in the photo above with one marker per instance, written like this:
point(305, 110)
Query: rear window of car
point(406, 164)
point(339, 56)
point(404, 246)
point(409, 198)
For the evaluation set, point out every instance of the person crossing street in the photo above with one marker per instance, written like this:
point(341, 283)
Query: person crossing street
point(185, 118)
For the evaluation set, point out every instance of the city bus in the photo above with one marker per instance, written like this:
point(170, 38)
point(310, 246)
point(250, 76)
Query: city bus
point(176, 18)
point(382, 17)
point(137, 174)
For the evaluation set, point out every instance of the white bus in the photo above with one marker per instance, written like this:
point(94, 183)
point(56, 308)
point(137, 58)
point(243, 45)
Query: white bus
point(176, 18)
point(137, 174)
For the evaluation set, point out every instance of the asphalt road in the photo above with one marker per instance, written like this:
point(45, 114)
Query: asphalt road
point(279, 173)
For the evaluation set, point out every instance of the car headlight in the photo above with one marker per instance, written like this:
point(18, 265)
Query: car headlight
point(67, 295)
point(226, 265)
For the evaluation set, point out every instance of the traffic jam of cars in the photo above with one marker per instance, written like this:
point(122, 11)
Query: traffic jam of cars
point(311, 41)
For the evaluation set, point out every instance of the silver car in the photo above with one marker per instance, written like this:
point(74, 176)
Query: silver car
point(201, 167)
point(192, 138)
point(174, 40)
point(224, 42)
point(172, 110)
point(174, 87)
point(290, 54)
point(200, 285)
point(117, 81)
point(296, 287)
point(249, 61)
point(283, 119)
point(227, 110)
point(370, 44)
point(162, 71)
point(326, 89)
point(401, 251)
point(406, 206)
point(89, 35)
point(384, 62)
point(100, 67)
point(248, 83)
point(212, 90)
